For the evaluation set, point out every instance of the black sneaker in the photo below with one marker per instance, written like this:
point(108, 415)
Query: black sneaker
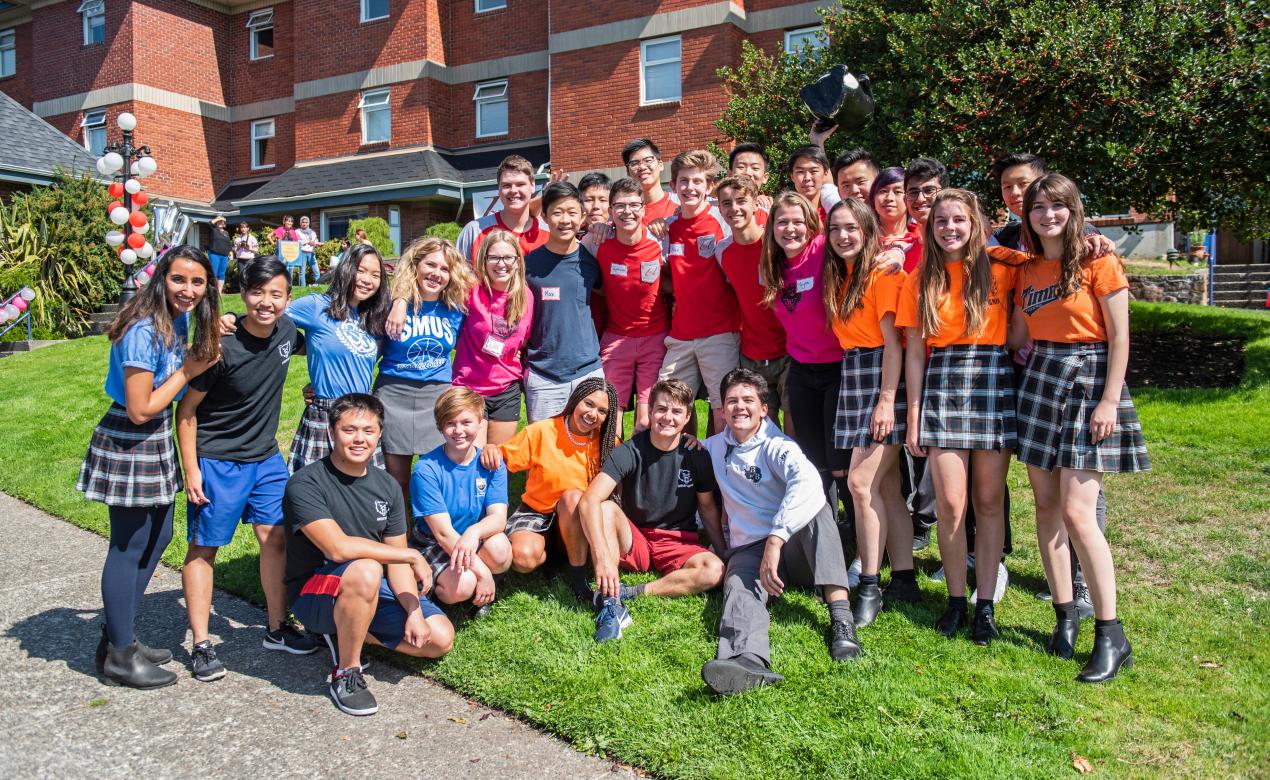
point(205, 664)
point(333, 645)
point(730, 676)
point(289, 639)
point(349, 692)
point(921, 539)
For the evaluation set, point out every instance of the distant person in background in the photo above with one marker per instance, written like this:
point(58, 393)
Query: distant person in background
point(286, 231)
point(308, 250)
point(219, 251)
point(361, 236)
point(246, 247)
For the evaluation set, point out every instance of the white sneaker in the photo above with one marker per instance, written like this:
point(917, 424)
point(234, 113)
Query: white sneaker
point(938, 576)
point(853, 574)
point(1003, 579)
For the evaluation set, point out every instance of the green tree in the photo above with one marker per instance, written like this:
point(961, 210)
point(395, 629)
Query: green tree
point(1156, 104)
point(447, 230)
point(377, 231)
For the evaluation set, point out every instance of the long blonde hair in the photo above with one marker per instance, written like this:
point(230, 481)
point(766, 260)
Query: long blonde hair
point(844, 286)
point(934, 277)
point(517, 289)
point(771, 264)
point(405, 279)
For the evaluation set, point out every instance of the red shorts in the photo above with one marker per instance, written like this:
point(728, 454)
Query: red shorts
point(654, 549)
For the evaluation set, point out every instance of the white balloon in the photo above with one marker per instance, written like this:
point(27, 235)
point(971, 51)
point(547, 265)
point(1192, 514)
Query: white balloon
point(146, 166)
point(144, 227)
point(27, 293)
point(119, 215)
point(128, 256)
point(12, 311)
point(134, 169)
point(113, 161)
point(4, 316)
point(114, 238)
point(146, 251)
point(127, 122)
point(132, 186)
point(101, 166)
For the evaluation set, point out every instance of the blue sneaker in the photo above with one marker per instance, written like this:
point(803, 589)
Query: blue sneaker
point(610, 620)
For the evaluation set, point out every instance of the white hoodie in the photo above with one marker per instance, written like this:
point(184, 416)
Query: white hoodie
point(769, 486)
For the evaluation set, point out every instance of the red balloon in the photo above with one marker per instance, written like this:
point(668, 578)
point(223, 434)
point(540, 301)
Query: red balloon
point(136, 240)
point(113, 205)
point(140, 199)
point(115, 189)
point(137, 218)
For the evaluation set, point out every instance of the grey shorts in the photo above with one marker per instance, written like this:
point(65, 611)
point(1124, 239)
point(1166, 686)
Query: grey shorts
point(775, 371)
point(545, 398)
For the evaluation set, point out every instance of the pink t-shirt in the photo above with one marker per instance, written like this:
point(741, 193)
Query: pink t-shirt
point(800, 308)
point(487, 356)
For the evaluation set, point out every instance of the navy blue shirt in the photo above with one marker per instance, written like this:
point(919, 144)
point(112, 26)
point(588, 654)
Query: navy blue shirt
point(562, 345)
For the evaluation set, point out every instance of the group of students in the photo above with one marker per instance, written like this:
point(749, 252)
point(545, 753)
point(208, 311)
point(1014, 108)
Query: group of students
point(862, 318)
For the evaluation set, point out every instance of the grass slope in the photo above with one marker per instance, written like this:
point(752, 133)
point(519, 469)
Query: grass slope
point(1190, 540)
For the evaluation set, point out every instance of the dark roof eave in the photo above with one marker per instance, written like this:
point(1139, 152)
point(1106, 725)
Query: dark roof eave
point(357, 196)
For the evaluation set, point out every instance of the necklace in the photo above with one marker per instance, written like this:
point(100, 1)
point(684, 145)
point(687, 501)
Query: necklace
point(579, 444)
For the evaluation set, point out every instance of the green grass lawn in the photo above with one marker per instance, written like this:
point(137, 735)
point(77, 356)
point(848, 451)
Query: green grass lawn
point(1193, 562)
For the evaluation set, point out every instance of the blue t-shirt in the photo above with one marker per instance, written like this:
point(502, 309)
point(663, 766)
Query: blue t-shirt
point(140, 348)
point(427, 339)
point(464, 492)
point(562, 344)
point(341, 353)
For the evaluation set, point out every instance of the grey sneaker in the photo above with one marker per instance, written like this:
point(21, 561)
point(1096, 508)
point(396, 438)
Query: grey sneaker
point(206, 666)
point(349, 692)
point(289, 639)
point(1084, 605)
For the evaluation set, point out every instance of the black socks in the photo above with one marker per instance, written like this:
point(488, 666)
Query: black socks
point(1066, 611)
point(901, 575)
point(870, 579)
point(960, 603)
point(578, 583)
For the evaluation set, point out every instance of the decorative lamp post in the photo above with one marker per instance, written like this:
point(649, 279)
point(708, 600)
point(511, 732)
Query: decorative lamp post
point(127, 164)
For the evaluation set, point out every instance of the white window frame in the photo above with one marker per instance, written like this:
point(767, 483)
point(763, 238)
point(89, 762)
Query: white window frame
point(489, 5)
point(810, 39)
point(256, 164)
point(365, 10)
point(94, 120)
point(645, 63)
point(8, 53)
point(258, 22)
point(374, 101)
point(93, 11)
point(490, 93)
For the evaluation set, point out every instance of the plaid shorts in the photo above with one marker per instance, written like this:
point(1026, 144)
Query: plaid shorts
point(968, 399)
point(431, 550)
point(312, 440)
point(1061, 386)
point(129, 464)
point(858, 396)
point(526, 518)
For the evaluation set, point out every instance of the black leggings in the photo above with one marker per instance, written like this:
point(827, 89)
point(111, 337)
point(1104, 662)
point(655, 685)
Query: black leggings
point(138, 537)
point(812, 390)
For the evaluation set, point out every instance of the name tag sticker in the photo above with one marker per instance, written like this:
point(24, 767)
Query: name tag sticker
point(705, 245)
point(805, 284)
point(676, 249)
point(649, 271)
point(551, 293)
point(618, 269)
point(493, 346)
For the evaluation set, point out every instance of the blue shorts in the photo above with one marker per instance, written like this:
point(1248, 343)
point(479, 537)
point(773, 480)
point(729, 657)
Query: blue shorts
point(220, 264)
point(239, 492)
point(315, 606)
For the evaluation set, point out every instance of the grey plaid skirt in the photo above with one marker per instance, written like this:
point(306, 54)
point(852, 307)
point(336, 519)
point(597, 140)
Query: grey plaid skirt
point(312, 440)
point(1060, 388)
point(526, 518)
point(129, 464)
point(431, 550)
point(968, 399)
point(858, 396)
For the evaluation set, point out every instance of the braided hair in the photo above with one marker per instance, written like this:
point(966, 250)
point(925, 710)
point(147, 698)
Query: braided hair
point(608, 429)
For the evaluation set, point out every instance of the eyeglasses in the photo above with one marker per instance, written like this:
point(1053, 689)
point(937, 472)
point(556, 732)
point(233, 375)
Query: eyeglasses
point(502, 259)
point(643, 162)
point(622, 208)
point(924, 192)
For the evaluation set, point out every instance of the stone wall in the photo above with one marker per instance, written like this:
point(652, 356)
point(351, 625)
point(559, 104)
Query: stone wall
point(1170, 288)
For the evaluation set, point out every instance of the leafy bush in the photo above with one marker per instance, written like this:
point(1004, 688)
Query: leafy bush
point(326, 251)
point(446, 230)
point(376, 231)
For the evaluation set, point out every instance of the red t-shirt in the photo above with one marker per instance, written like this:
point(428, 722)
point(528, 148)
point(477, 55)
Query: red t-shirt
point(469, 241)
point(662, 209)
point(762, 335)
point(705, 304)
point(633, 292)
point(913, 255)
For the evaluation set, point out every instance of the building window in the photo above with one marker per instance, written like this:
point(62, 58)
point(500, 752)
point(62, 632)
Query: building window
point(8, 54)
point(260, 34)
point(489, 5)
point(810, 38)
point(491, 108)
point(262, 151)
point(659, 67)
point(94, 13)
point(376, 117)
point(95, 132)
point(374, 9)
point(335, 221)
point(394, 228)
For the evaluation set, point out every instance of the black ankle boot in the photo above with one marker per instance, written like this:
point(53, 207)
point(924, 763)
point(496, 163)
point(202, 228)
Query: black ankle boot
point(1062, 642)
point(1111, 651)
point(127, 666)
point(154, 655)
point(867, 605)
point(952, 621)
point(985, 627)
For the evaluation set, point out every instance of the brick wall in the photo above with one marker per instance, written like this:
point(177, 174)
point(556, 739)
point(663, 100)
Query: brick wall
point(58, 33)
point(18, 86)
point(179, 46)
point(575, 14)
point(334, 41)
point(268, 78)
point(469, 35)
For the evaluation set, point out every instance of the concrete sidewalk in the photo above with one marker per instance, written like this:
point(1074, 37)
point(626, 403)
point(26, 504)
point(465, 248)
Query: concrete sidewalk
point(269, 717)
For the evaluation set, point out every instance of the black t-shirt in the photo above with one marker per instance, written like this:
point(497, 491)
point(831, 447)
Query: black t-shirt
point(238, 419)
point(659, 489)
point(368, 507)
point(220, 242)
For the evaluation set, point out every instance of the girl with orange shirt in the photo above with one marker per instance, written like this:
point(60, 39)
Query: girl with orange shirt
point(1076, 419)
point(562, 455)
point(861, 297)
point(961, 400)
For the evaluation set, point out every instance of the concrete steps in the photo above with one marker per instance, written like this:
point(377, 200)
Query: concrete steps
point(1241, 286)
point(97, 323)
point(8, 348)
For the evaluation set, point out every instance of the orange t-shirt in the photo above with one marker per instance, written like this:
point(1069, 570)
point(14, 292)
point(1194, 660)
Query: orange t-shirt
point(952, 310)
point(554, 463)
point(863, 326)
point(1077, 319)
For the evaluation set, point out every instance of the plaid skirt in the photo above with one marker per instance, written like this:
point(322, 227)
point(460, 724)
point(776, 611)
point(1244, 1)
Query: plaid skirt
point(431, 550)
point(858, 396)
point(1061, 386)
point(968, 399)
point(526, 518)
point(129, 464)
point(312, 440)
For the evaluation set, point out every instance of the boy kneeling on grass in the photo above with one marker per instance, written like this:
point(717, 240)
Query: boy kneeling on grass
point(780, 531)
point(345, 523)
point(654, 528)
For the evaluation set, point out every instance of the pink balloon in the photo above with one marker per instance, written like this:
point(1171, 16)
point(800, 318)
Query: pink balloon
point(20, 303)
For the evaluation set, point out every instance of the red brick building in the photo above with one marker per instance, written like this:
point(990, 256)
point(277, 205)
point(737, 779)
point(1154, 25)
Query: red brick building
point(397, 108)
